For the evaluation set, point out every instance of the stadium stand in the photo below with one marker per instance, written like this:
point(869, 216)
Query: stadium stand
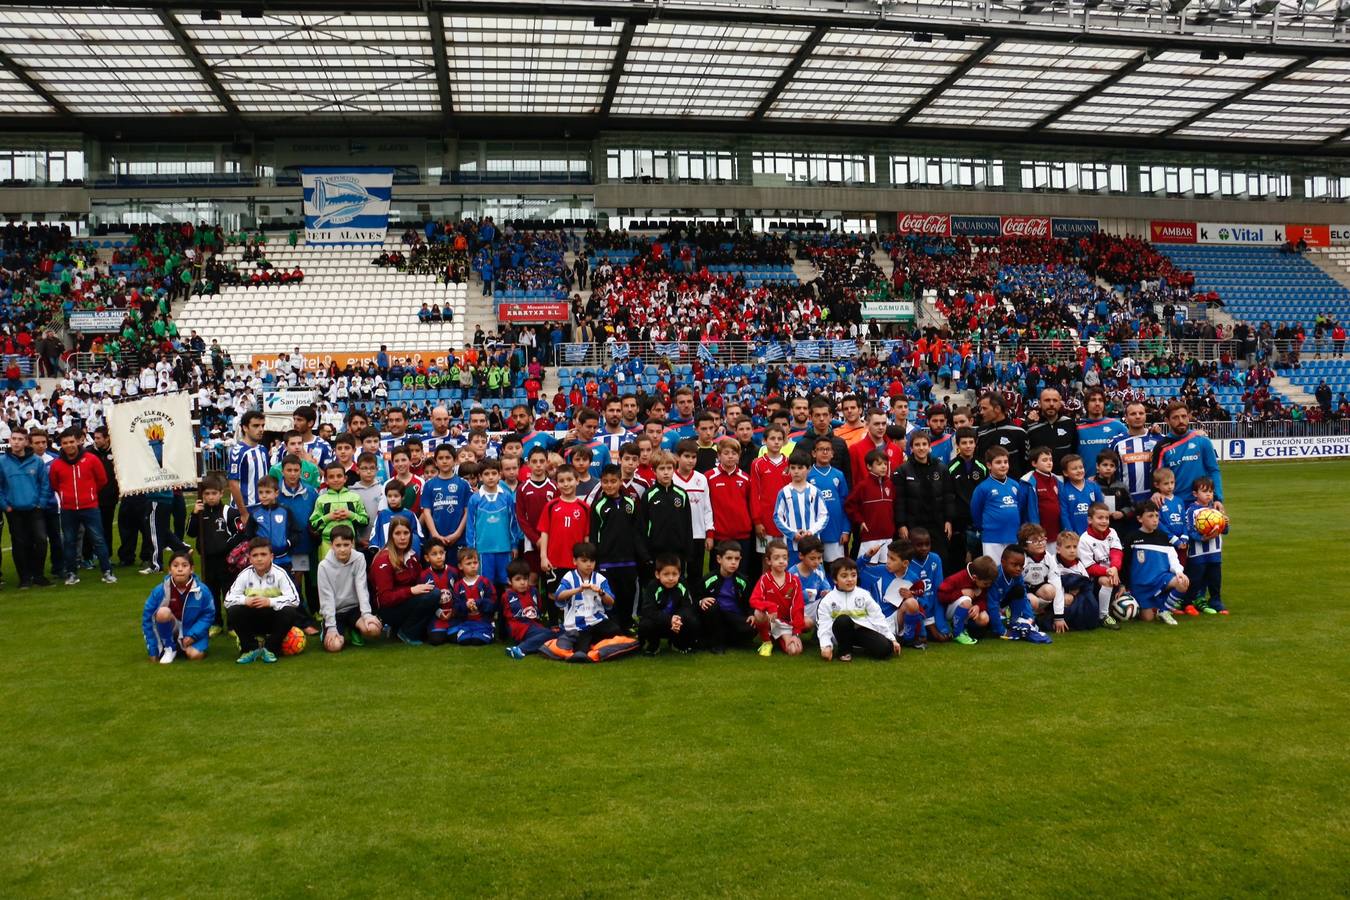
point(1263, 284)
point(332, 309)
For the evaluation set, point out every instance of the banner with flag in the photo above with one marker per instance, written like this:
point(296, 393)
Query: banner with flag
point(576, 353)
point(346, 204)
point(844, 349)
point(152, 444)
point(891, 346)
point(618, 351)
point(774, 352)
point(707, 352)
point(669, 348)
point(807, 350)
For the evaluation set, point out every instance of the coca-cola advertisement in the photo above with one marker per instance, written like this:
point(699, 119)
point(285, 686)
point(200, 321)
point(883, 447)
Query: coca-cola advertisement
point(1172, 232)
point(1025, 226)
point(923, 223)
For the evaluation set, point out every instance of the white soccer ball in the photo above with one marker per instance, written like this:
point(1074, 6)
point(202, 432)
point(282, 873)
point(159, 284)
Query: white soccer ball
point(1125, 607)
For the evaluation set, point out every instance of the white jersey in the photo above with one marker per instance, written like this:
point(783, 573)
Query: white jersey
point(1038, 573)
point(1096, 551)
point(700, 507)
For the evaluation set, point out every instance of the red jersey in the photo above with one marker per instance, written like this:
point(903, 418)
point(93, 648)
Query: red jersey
point(767, 478)
point(870, 508)
point(729, 494)
point(522, 611)
point(567, 523)
point(952, 586)
point(857, 453)
point(1047, 502)
point(532, 498)
point(783, 600)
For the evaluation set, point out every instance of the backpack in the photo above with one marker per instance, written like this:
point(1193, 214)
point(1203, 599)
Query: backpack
point(601, 651)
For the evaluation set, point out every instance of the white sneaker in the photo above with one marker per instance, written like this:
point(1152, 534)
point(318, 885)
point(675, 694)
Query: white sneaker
point(168, 656)
point(109, 578)
point(1167, 618)
point(149, 570)
point(72, 578)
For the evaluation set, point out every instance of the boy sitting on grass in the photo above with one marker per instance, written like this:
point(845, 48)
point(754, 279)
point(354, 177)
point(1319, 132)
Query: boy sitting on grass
point(261, 604)
point(344, 598)
point(849, 619)
point(178, 614)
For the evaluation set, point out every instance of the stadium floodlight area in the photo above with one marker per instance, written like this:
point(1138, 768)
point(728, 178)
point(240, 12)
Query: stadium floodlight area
point(1159, 73)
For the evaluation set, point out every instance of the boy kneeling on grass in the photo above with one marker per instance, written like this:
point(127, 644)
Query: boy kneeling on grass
point(849, 618)
point(262, 603)
point(344, 598)
point(178, 614)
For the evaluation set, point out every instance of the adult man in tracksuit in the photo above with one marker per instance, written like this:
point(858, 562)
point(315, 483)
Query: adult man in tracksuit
point(24, 492)
point(76, 478)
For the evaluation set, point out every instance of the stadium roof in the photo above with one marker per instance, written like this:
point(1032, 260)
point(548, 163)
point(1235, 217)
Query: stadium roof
point(1254, 75)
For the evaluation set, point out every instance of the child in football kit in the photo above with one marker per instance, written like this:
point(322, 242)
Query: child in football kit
point(1000, 505)
point(1076, 495)
point(850, 620)
point(1171, 511)
point(616, 530)
point(1156, 576)
point(1076, 607)
point(800, 509)
point(777, 603)
point(666, 610)
point(473, 604)
point(810, 573)
point(178, 614)
point(1102, 555)
point(964, 595)
point(724, 609)
point(1010, 591)
point(585, 597)
point(1040, 574)
point(898, 598)
point(520, 603)
point(1204, 564)
point(564, 523)
point(924, 574)
point(262, 603)
point(491, 526)
point(217, 531)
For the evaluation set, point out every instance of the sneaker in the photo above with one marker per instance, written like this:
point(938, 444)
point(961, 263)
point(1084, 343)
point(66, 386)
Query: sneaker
point(42, 581)
point(918, 644)
point(355, 639)
point(847, 657)
point(109, 578)
point(965, 639)
point(1167, 618)
point(766, 648)
point(1223, 612)
point(248, 657)
point(168, 656)
point(215, 631)
point(1209, 610)
point(149, 570)
point(1111, 623)
point(267, 656)
point(86, 564)
point(411, 642)
point(25, 584)
point(515, 652)
point(1217, 606)
point(72, 578)
point(1190, 610)
point(1037, 636)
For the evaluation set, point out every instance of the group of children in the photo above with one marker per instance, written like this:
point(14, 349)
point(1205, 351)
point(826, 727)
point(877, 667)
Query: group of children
point(531, 549)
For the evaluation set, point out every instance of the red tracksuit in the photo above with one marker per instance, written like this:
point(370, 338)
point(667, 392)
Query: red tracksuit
point(857, 454)
point(767, 478)
point(729, 494)
point(952, 586)
point(783, 600)
point(870, 508)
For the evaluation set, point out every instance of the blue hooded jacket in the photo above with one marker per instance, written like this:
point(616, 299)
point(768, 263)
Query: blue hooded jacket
point(23, 482)
point(199, 611)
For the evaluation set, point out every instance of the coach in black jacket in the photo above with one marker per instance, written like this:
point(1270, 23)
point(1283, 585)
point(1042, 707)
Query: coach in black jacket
point(923, 495)
point(997, 430)
point(1059, 433)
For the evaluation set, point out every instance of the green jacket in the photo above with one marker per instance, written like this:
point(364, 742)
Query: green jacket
point(330, 501)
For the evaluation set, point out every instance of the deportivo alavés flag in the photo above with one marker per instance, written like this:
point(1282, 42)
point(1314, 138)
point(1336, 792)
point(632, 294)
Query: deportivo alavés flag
point(152, 444)
point(346, 205)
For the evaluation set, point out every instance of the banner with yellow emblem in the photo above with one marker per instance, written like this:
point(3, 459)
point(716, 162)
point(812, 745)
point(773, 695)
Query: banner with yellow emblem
point(152, 444)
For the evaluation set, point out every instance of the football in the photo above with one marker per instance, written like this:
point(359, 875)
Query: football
point(293, 643)
point(1125, 607)
point(1210, 523)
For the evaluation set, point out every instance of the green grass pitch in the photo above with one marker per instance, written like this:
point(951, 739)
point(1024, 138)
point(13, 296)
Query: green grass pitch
point(1209, 759)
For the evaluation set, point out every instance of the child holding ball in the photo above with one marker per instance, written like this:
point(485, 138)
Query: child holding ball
point(178, 614)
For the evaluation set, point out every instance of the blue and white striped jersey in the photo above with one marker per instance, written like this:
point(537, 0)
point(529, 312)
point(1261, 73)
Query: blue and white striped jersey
point(246, 465)
point(1136, 464)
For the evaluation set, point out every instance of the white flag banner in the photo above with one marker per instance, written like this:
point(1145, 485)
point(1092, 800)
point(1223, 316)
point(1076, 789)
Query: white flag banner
point(152, 444)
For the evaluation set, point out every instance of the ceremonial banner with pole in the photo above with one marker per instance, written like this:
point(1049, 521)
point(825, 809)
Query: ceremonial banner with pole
point(152, 444)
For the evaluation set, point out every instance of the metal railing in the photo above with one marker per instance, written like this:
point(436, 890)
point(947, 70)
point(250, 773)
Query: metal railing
point(1274, 429)
point(722, 353)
